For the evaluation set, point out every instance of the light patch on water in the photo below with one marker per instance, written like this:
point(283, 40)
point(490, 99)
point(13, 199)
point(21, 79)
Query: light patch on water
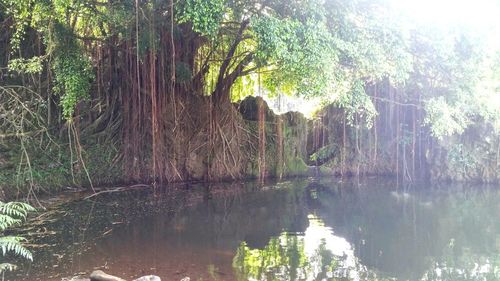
point(316, 234)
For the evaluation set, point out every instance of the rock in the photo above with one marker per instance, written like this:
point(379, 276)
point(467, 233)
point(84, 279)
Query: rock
point(186, 279)
point(148, 278)
point(99, 275)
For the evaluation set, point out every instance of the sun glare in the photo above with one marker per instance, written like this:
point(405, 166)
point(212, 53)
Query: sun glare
point(477, 14)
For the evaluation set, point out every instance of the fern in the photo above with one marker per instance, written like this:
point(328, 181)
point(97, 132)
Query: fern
point(13, 244)
point(8, 221)
point(16, 209)
point(11, 214)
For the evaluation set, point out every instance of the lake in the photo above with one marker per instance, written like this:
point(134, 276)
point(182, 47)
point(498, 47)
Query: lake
point(303, 229)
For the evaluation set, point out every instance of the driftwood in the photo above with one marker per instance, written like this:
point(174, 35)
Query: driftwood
point(118, 189)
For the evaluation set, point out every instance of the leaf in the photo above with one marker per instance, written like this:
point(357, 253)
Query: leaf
point(13, 244)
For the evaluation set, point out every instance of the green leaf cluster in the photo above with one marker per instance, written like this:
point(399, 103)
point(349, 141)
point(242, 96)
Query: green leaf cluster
point(60, 24)
point(31, 65)
point(204, 15)
point(301, 53)
point(73, 71)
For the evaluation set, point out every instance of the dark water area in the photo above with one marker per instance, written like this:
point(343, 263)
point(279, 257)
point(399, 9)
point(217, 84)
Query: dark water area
point(308, 229)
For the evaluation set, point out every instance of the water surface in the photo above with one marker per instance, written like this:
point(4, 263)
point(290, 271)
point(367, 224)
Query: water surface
point(309, 229)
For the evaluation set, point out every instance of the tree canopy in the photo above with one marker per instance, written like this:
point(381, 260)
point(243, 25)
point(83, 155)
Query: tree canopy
point(309, 48)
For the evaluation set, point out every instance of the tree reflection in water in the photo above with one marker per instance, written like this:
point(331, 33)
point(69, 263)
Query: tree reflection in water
point(357, 233)
point(316, 254)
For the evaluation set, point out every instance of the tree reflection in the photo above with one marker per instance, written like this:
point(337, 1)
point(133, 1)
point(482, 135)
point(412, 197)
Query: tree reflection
point(316, 254)
point(284, 258)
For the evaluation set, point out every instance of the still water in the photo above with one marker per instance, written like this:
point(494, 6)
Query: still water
point(309, 229)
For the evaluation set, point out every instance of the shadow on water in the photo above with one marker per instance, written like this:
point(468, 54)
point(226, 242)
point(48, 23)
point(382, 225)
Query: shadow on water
point(295, 230)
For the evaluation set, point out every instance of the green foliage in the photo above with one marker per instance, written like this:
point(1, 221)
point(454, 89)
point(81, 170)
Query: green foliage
point(205, 16)
point(312, 48)
point(243, 87)
point(21, 12)
point(446, 119)
point(12, 214)
point(59, 24)
point(487, 90)
point(301, 53)
point(31, 65)
point(73, 71)
point(309, 48)
point(331, 50)
point(357, 103)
